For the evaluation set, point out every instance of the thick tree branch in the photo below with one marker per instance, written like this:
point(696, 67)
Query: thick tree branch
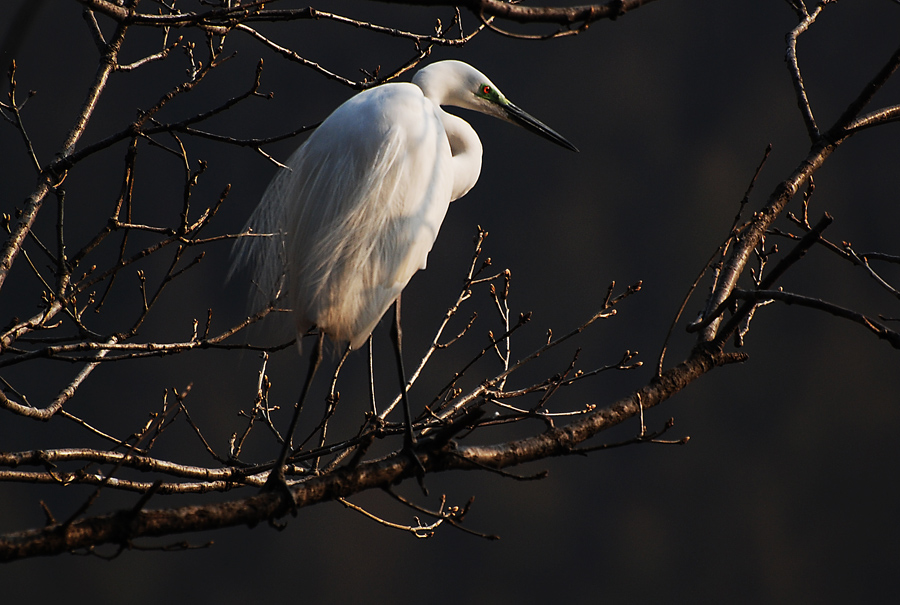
point(762, 220)
point(220, 20)
point(564, 15)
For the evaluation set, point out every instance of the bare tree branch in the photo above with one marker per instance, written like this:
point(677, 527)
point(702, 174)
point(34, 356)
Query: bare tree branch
point(123, 526)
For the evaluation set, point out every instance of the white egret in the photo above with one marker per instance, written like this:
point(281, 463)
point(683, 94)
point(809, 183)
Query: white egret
point(360, 205)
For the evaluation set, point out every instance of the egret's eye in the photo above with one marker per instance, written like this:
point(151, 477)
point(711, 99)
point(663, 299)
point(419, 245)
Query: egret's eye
point(485, 90)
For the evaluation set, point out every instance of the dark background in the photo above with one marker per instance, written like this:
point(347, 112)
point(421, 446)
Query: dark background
point(787, 491)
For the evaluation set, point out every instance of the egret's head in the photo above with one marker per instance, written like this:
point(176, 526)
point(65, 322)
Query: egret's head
point(460, 85)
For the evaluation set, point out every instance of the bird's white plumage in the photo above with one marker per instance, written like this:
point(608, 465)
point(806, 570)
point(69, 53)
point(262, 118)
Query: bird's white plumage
point(358, 210)
point(357, 213)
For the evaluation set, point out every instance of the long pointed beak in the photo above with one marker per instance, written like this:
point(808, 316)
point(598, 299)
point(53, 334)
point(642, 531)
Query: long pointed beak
point(517, 116)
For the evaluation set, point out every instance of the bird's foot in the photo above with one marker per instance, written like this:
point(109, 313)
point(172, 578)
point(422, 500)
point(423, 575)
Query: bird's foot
point(409, 449)
point(276, 483)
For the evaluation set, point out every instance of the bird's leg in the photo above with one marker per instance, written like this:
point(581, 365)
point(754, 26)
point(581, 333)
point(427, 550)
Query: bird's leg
point(410, 438)
point(373, 420)
point(276, 480)
point(397, 335)
point(372, 379)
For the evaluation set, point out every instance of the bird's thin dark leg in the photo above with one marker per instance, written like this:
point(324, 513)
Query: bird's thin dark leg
point(276, 480)
point(372, 379)
point(397, 334)
point(410, 439)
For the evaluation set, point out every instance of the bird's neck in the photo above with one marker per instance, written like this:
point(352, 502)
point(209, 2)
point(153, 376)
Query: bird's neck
point(465, 147)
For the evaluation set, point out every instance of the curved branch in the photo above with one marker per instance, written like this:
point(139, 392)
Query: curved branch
point(220, 20)
point(875, 118)
point(563, 15)
point(847, 119)
point(880, 330)
point(793, 66)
